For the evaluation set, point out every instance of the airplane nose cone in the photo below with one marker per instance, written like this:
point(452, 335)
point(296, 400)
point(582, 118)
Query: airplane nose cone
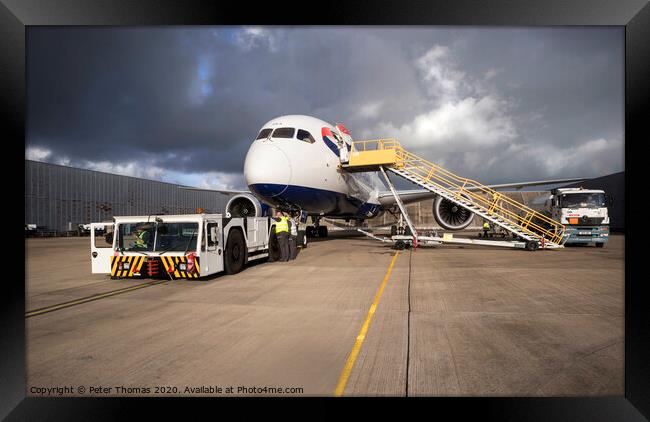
point(267, 169)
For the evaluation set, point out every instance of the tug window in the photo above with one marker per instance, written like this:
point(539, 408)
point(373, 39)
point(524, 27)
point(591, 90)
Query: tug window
point(211, 245)
point(284, 132)
point(264, 133)
point(305, 136)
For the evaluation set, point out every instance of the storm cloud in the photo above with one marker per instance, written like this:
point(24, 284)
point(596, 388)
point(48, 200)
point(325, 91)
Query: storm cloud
point(182, 104)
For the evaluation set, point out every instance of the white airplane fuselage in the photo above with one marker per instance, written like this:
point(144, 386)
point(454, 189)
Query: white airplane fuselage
point(297, 168)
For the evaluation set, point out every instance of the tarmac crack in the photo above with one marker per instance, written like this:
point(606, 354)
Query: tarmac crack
point(91, 298)
point(408, 327)
point(563, 368)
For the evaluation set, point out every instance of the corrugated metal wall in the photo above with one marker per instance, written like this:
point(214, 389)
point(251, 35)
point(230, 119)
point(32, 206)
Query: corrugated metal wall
point(58, 196)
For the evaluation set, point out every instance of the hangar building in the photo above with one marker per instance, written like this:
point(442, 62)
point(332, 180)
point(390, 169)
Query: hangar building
point(59, 198)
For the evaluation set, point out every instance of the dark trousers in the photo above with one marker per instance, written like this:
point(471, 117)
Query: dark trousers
point(293, 250)
point(283, 241)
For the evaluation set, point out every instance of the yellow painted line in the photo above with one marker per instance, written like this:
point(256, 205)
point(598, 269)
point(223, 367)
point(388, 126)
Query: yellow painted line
point(89, 299)
point(347, 369)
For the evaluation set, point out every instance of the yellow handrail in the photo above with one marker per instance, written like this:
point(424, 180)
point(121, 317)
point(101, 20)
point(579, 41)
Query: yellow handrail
point(389, 143)
point(490, 200)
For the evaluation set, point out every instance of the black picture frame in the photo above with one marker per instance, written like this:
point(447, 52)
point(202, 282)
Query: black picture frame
point(16, 16)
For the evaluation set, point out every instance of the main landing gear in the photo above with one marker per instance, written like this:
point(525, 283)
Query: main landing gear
point(316, 230)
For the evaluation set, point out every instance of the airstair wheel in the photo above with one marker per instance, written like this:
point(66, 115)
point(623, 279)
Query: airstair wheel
point(532, 245)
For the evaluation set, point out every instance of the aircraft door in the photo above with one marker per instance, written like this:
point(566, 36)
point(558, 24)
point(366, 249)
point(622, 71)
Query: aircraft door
point(212, 248)
point(346, 142)
point(345, 135)
point(101, 247)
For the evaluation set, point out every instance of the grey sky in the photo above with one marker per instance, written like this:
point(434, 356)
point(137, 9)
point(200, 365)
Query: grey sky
point(183, 104)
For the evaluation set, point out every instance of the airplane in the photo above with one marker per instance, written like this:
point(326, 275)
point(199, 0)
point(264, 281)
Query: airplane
point(293, 165)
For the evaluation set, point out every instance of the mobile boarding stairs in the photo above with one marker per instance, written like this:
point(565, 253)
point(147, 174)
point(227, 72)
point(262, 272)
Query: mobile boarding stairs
point(532, 229)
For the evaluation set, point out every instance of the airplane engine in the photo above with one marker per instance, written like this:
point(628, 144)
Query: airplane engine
point(246, 205)
point(450, 215)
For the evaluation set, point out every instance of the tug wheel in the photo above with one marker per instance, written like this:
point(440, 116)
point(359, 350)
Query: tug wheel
point(235, 252)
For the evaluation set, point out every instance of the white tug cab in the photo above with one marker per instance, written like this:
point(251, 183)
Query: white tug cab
point(180, 246)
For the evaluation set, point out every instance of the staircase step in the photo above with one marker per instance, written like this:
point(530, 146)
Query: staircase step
point(447, 193)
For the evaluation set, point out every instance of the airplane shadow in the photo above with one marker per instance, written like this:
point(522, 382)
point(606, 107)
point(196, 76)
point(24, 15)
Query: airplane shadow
point(336, 234)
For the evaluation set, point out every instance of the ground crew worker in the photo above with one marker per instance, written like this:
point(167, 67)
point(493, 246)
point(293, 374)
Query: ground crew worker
point(486, 228)
point(282, 232)
point(141, 238)
point(293, 242)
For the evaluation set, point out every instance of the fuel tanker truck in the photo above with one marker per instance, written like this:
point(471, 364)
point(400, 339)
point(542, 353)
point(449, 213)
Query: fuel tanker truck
point(582, 211)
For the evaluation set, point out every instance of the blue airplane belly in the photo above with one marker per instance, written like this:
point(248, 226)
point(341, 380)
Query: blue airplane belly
point(315, 201)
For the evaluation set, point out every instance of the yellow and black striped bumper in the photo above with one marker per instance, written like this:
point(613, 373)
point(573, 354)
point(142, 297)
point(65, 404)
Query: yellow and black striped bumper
point(134, 264)
point(172, 263)
point(168, 266)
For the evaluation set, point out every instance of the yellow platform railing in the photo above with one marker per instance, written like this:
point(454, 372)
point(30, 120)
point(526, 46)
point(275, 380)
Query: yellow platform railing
point(390, 153)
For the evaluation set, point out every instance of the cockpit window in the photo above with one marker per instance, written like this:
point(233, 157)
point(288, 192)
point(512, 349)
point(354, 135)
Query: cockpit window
point(305, 136)
point(284, 132)
point(264, 133)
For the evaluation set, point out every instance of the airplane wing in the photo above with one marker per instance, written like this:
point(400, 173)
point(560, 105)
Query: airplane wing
point(214, 190)
point(408, 196)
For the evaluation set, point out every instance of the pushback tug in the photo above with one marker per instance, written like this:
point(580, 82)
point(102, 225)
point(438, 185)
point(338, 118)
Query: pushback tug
point(180, 246)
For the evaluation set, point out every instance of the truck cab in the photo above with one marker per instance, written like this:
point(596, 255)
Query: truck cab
point(177, 246)
point(583, 212)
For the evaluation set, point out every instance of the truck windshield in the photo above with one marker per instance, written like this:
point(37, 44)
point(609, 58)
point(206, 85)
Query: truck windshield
point(152, 237)
point(583, 200)
point(177, 237)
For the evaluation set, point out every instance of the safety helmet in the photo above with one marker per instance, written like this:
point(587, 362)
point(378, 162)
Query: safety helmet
point(144, 227)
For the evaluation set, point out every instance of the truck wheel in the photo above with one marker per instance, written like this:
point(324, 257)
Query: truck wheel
point(600, 245)
point(235, 253)
point(532, 245)
point(322, 231)
point(274, 248)
point(400, 245)
point(302, 239)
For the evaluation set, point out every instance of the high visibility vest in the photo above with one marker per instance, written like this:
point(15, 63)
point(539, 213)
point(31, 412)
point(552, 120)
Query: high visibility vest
point(139, 240)
point(282, 225)
point(486, 226)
